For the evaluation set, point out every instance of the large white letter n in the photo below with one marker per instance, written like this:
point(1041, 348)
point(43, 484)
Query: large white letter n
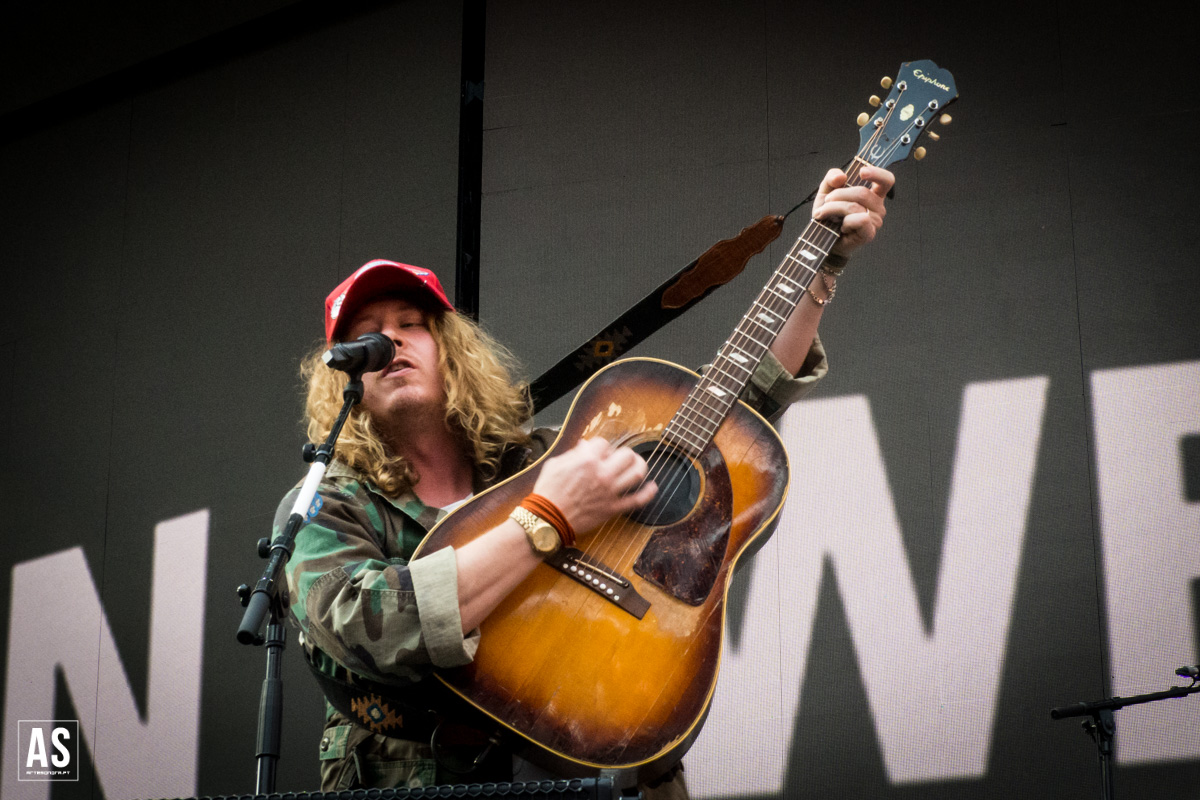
point(57, 621)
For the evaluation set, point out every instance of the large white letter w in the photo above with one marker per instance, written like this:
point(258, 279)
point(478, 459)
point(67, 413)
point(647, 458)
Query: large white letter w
point(932, 692)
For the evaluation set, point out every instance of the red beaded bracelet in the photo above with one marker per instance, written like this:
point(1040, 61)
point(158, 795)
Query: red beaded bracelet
point(549, 512)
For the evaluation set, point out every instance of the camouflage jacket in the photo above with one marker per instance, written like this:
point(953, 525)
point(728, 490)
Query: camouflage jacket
point(362, 604)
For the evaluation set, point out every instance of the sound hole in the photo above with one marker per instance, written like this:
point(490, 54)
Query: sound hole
point(678, 484)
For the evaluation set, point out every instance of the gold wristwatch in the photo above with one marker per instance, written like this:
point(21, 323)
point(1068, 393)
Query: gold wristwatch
point(543, 537)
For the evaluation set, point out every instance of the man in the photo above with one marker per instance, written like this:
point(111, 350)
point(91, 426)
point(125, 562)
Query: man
point(445, 420)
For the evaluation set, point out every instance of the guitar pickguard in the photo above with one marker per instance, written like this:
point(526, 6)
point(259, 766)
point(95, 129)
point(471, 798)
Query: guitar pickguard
point(683, 559)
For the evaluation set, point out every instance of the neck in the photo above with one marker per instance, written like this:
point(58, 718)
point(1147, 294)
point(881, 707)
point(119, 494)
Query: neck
point(436, 454)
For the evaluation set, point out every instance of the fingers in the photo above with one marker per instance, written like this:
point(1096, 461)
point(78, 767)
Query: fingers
point(834, 179)
point(881, 180)
point(625, 468)
point(635, 500)
point(621, 473)
point(851, 200)
point(594, 481)
point(847, 211)
point(597, 447)
point(859, 209)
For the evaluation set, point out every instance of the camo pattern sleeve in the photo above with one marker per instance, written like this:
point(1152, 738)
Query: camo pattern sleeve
point(356, 596)
point(772, 388)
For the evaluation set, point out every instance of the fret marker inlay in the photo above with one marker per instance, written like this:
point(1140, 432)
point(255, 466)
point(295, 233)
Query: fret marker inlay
point(717, 390)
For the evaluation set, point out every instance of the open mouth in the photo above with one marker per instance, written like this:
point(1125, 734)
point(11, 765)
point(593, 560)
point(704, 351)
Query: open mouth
point(398, 367)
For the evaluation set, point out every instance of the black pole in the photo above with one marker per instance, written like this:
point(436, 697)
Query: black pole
point(270, 710)
point(470, 159)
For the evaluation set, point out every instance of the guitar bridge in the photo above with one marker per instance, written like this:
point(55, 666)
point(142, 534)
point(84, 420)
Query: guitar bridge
point(601, 579)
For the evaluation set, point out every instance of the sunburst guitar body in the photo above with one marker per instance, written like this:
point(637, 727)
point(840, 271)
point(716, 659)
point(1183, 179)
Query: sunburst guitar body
point(606, 657)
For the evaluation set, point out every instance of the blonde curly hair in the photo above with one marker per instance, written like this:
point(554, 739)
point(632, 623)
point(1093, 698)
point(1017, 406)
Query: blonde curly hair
point(484, 403)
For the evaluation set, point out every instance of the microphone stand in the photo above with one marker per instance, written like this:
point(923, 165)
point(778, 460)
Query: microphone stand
point(1102, 727)
point(269, 596)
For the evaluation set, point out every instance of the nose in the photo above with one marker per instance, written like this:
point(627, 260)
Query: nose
point(395, 333)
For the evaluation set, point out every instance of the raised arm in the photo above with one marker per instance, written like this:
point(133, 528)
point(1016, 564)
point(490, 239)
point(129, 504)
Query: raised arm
point(861, 210)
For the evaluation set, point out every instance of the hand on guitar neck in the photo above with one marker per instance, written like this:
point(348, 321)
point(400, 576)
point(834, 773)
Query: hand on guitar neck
point(858, 204)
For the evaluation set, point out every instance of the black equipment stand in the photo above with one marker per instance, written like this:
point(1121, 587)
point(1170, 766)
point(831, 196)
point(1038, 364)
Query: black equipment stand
point(269, 595)
point(1102, 727)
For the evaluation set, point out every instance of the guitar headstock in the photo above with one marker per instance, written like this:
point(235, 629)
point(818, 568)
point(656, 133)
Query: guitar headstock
point(920, 94)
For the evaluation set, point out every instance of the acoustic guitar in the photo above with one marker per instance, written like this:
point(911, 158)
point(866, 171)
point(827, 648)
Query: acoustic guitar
point(606, 656)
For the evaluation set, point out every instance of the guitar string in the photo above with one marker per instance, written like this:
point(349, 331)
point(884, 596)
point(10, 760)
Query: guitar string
point(660, 459)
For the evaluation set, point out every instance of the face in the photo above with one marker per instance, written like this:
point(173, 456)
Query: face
point(410, 387)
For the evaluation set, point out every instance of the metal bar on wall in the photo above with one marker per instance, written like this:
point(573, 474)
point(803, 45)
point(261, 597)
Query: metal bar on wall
point(470, 159)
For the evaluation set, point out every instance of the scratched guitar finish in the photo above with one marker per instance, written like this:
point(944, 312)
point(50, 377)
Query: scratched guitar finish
point(607, 656)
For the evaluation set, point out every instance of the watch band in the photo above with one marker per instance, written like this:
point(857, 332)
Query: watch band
point(543, 537)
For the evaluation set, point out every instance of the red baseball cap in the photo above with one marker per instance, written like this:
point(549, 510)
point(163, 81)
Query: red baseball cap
point(373, 279)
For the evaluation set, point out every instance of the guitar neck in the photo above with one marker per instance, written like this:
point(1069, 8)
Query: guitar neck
point(712, 398)
point(920, 92)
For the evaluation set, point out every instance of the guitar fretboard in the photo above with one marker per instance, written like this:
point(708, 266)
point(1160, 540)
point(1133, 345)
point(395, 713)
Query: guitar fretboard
point(713, 396)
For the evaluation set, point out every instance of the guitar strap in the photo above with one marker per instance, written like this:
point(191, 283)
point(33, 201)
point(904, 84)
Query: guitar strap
point(717, 266)
point(402, 712)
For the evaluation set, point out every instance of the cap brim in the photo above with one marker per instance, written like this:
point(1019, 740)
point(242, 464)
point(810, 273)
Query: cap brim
point(382, 280)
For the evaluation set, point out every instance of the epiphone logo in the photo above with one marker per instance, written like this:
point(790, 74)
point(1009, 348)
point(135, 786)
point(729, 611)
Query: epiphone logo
point(922, 76)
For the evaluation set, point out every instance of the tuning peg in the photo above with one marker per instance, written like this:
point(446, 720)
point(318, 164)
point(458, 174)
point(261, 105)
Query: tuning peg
point(874, 101)
point(945, 119)
point(919, 153)
point(933, 135)
point(886, 82)
point(863, 118)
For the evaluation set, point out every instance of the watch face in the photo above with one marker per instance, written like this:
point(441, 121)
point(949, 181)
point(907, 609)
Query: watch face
point(545, 537)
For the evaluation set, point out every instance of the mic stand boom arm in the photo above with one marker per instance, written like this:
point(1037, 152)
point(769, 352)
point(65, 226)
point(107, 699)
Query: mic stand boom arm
point(269, 595)
point(1102, 727)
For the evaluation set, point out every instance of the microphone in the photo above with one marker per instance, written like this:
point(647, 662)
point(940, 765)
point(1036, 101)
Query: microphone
point(368, 353)
point(1188, 672)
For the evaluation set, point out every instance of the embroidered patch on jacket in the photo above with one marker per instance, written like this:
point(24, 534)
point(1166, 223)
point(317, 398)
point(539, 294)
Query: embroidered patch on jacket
point(373, 713)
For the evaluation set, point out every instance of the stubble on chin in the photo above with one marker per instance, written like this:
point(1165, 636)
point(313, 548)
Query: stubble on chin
point(406, 414)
